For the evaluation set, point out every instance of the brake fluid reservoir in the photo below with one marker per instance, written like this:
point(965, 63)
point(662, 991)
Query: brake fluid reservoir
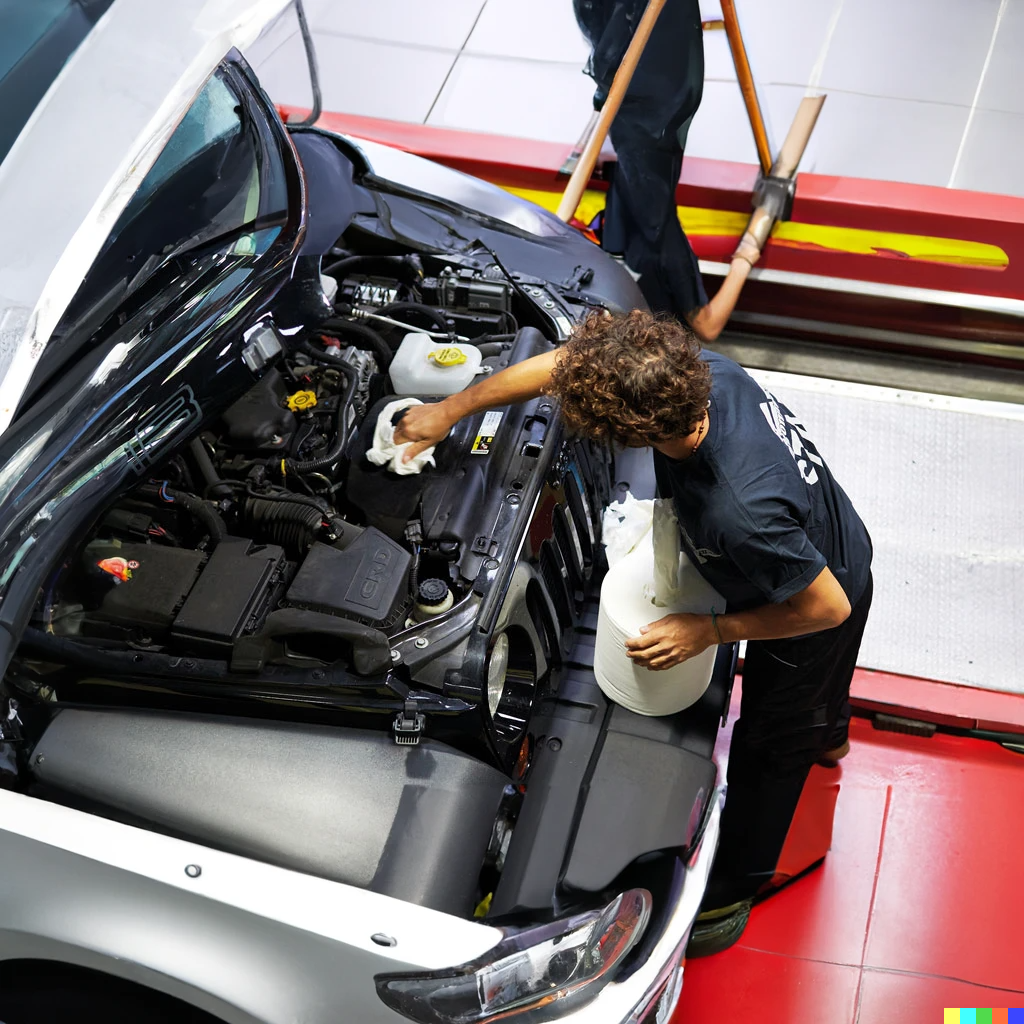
point(425, 366)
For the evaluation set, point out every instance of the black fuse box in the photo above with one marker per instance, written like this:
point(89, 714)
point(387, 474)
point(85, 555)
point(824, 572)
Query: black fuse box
point(158, 581)
point(231, 597)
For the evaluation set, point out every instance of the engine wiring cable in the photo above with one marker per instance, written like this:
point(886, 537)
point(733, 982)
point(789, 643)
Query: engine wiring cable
point(419, 307)
point(501, 266)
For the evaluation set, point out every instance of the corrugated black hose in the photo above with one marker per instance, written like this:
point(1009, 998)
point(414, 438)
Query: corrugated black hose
point(337, 448)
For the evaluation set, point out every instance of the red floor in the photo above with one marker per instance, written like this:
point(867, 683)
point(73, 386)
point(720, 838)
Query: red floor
point(919, 905)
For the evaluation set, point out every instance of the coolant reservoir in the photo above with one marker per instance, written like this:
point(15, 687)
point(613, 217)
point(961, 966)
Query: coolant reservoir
point(425, 366)
point(432, 598)
point(627, 603)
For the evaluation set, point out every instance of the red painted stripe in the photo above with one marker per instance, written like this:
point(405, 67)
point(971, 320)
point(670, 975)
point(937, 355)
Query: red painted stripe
point(809, 836)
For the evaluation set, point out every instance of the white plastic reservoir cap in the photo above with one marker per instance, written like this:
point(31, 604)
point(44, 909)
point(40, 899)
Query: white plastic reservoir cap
point(627, 604)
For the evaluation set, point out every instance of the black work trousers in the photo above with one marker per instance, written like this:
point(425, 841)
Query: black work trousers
point(795, 706)
point(641, 224)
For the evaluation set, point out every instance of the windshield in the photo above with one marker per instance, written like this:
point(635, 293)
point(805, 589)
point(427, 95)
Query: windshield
point(211, 189)
point(211, 157)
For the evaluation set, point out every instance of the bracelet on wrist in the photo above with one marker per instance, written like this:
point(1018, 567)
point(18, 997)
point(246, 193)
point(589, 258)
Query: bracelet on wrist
point(714, 625)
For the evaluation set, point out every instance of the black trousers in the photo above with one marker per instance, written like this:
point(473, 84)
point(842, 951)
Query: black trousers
point(649, 135)
point(640, 223)
point(795, 706)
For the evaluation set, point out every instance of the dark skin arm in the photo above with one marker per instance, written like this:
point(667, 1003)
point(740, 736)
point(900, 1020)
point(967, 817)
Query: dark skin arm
point(676, 638)
point(428, 425)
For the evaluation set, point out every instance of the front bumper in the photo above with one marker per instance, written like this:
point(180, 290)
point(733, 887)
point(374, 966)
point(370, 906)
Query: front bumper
point(636, 999)
point(250, 942)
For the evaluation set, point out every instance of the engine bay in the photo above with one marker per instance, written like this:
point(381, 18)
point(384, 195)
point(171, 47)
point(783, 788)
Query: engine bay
point(257, 528)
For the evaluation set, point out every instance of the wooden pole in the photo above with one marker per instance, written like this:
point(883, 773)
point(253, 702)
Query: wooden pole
point(763, 218)
point(746, 80)
point(799, 135)
point(585, 167)
point(573, 158)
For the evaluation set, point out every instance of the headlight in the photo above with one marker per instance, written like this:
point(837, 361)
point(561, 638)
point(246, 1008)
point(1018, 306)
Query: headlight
point(535, 975)
point(497, 670)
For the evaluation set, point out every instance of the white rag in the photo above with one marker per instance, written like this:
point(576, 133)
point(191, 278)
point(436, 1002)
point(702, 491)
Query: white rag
point(624, 524)
point(384, 451)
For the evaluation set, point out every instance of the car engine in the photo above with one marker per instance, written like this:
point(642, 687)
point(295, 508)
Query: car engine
point(270, 549)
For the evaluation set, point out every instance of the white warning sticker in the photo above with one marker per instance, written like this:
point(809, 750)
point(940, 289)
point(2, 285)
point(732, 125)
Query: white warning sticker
point(485, 436)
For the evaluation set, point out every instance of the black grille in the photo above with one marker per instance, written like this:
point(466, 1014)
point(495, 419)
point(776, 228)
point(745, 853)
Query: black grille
point(580, 519)
point(572, 557)
point(554, 575)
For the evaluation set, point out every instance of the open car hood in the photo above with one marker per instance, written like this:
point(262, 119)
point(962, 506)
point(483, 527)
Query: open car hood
point(87, 147)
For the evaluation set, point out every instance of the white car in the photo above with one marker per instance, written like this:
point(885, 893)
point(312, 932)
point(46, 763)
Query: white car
point(285, 735)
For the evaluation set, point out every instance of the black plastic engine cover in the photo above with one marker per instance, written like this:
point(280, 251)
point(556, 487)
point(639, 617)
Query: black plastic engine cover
point(386, 499)
point(646, 793)
point(160, 581)
point(232, 595)
point(606, 787)
point(365, 581)
point(259, 416)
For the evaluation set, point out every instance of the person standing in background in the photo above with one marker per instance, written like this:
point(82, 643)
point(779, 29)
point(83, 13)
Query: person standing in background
point(640, 224)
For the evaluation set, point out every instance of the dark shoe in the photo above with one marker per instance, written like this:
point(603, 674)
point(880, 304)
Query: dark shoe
point(831, 758)
point(715, 930)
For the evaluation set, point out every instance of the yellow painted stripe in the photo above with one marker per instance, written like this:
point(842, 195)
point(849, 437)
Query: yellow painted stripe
point(882, 243)
point(697, 221)
point(951, 1015)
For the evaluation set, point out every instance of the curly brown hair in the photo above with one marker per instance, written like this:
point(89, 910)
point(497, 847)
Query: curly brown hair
point(631, 378)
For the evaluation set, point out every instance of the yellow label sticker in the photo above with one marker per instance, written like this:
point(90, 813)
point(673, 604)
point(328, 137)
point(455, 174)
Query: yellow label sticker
point(485, 436)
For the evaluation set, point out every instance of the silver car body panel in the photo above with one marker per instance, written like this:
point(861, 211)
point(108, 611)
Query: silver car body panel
point(247, 941)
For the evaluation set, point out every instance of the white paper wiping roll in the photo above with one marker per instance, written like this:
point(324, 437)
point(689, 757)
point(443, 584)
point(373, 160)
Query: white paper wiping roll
point(626, 605)
point(667, 553)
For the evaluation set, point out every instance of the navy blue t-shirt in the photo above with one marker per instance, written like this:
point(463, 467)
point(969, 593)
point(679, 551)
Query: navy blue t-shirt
point(759, 511)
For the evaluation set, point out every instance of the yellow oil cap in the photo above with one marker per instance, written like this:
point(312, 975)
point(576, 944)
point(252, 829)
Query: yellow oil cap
point(450, 356)
point(301, 400)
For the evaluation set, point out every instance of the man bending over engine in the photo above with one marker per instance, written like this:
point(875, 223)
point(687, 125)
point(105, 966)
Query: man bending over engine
point(764, 522)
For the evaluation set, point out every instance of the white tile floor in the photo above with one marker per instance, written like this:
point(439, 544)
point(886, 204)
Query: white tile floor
point(940, 486)
point(506, 95)
point(902, 77)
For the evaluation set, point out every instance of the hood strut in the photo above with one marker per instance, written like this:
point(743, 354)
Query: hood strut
point(314, 71)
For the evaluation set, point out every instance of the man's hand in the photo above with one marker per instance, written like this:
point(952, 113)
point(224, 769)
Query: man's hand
point(423, 425)
point(671, 640)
